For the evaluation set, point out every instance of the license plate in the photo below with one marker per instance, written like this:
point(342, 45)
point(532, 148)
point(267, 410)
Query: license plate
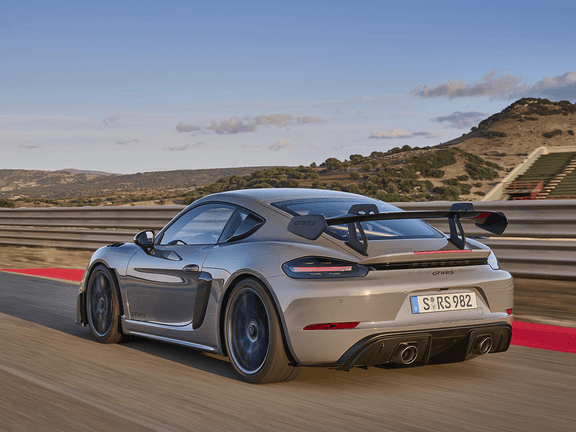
point(443, 302)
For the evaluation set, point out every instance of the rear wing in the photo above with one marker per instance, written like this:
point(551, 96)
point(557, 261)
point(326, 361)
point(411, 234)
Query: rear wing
point(312, 226)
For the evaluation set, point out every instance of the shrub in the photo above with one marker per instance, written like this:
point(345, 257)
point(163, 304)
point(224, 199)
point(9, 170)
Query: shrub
point(356, 159)
point(570, 132)
point(494, 165)
point(354, 175)
point(492, 134)
point(463, 177)
point(353, 188)
point(333, 163)
point(366, 167)
point(6, 203)
point(552, 134)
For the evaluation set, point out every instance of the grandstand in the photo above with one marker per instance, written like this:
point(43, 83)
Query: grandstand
point(546, 174)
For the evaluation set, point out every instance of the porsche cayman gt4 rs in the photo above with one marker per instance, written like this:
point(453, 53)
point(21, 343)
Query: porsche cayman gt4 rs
point(280, 279)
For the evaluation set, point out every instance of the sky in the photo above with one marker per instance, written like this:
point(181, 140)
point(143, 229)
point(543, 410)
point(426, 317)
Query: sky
point(139, 86)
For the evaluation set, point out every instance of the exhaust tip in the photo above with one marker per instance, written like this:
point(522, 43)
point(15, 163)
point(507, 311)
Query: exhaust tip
point(405, 354)
point(483, 345)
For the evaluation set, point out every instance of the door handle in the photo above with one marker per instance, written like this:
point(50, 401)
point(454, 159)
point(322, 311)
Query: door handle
point(191, 268)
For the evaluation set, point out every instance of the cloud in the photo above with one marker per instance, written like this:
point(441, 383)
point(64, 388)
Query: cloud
point(502, 86)
point(183, 127)
point(233, 126)
point(280, 145)
point(111, 119)
point(187, 147)
point(569, 78)
point(493, 84)
point(280, 120)
point(29, 147)
point(237, 125)
point(127, 142)
point(558, 87)
point(309, 120)
point(461, 120)
point(399, 133)
point(183, 148)
point(338, 112)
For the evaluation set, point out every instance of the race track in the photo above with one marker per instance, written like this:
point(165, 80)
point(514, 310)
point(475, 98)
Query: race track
point(54, 377)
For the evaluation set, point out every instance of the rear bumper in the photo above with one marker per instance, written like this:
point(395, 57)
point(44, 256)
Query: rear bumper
point(447, 345)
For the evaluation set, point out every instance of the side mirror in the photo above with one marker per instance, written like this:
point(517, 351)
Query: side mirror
point(145, 239)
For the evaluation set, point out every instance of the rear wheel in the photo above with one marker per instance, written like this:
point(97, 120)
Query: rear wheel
point(254, 337)
point(103, 306)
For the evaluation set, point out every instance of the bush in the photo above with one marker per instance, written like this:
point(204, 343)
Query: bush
point(6, 203)
point(333, 163)
point(463, 178)
point(492, 134)
point(552, 134)
point(353, 188)
point(366, 167)
point(354, 175)
point(570, 132)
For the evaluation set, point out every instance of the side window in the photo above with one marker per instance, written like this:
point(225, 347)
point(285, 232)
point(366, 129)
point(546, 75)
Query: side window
point(241, 225)
point(201, 225)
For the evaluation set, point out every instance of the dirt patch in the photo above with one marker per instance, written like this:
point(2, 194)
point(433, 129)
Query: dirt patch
point(21, 257)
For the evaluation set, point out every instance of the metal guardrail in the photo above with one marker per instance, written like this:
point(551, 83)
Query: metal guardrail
point(540, 240)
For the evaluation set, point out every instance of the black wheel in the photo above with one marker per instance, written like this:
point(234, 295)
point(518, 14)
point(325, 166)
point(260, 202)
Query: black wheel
point(103, 306)
point(254, 337)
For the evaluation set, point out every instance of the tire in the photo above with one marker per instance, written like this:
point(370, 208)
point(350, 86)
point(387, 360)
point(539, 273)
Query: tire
point(103, 306)
point(254, 337)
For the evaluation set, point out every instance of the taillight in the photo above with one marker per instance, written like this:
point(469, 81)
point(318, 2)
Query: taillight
point(509, 311)
point(332, 326)
point(318, 268)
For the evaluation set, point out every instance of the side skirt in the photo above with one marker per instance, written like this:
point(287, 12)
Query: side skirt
point(150, 331)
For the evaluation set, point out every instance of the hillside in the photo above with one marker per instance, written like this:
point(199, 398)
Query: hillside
point(66, 184)
point(465, 168)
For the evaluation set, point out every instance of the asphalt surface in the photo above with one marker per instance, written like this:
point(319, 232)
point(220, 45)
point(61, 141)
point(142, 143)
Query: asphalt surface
point(54, 377)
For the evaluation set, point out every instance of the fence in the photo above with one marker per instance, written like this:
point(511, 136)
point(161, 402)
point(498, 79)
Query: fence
point(540, 240)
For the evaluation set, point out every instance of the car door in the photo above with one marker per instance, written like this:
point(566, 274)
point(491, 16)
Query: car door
point(162, 286)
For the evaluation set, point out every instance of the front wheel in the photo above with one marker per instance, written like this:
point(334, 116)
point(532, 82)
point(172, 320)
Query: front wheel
point(254, 337)
point(103, 306)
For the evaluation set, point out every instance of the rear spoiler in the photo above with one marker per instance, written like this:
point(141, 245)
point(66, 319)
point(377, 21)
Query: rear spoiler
point(312, 226)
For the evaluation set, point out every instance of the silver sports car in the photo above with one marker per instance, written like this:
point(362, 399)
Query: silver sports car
point(280, 279)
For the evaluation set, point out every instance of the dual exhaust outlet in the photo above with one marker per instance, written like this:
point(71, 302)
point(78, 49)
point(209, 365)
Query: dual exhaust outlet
point(406, 353)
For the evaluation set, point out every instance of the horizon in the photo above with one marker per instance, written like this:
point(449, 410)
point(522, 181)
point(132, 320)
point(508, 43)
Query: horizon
point(143, 86)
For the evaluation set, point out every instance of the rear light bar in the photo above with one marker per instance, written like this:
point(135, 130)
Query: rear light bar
point(320, 268)
point(443, 251)
point(332, 326)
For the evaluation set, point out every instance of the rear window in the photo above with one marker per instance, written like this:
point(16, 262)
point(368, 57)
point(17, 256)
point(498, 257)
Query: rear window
point(375, 230)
